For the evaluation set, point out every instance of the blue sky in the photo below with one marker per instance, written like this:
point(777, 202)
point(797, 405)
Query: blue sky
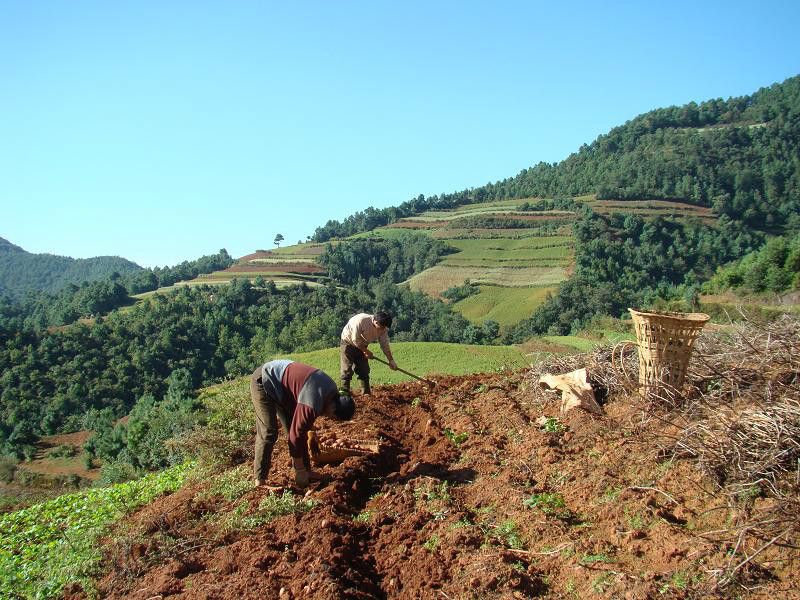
point(162, 131)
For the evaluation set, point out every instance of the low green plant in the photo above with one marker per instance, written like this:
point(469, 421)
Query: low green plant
point(462, 523)
point(8, 466)
point(553, 425)
point(365, 516)
point(416, 402)
point(62, 451)
point(602, 582)
point(456, 438)
point(609, 495)
point(432, 544)
point(47, 545)
point(433, 492)
point(514, 435)
point(231, 484)
point(550, 503)
point(636, 521)
point(509, 535)
point(588, 559)
point(274, 506)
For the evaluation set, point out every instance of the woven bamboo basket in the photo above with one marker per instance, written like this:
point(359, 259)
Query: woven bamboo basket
point(665, 341)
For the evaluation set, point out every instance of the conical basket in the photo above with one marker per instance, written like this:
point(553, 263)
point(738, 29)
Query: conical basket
point(665, 341)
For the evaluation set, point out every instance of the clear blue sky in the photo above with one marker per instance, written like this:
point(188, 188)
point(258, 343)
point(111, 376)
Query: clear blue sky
point(162, 131)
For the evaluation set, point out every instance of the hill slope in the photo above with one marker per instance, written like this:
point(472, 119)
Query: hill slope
point(21, 271)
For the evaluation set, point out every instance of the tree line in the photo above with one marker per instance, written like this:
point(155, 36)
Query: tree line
point(773, 268)
point(393, 260)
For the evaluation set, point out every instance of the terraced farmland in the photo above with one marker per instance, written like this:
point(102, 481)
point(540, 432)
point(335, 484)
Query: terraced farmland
point(515, 265)
point(654, 208)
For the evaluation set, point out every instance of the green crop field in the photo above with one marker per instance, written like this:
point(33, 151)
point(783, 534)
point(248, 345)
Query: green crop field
point(505, 305)
point(422, 358)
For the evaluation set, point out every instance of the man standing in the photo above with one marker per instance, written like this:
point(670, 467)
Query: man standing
point(297, 394)
point(360, 332)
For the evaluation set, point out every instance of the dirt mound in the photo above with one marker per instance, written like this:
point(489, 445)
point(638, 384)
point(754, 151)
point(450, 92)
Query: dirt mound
point(468, 498)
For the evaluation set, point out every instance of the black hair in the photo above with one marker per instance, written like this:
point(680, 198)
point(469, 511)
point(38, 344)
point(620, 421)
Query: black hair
point(344, 407)
point(383, 318)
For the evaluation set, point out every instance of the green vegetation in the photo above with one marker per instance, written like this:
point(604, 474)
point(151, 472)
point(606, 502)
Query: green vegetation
point(46, 546)
point(423, 358)
point(624, 261)
point(773, 268)
point(550, 503)
point(22, 272)
point(456, 438)
point(505, 305)
point(553, 425)
point(432, 543)
point(389, 259)
point(508, 533)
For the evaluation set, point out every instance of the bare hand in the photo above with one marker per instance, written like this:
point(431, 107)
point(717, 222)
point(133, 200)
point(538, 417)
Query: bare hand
point(393, 365)
point(367, 353)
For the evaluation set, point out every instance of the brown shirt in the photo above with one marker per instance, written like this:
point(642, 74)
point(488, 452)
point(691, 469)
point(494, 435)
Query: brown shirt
point(360, 332)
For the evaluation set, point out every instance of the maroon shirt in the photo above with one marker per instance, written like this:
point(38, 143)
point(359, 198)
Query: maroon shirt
point(302, 391)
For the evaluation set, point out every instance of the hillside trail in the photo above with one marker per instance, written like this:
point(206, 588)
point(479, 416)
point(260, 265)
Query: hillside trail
point(468, 498)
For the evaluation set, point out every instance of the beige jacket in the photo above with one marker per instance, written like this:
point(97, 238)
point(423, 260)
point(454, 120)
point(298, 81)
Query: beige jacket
point(361, 332)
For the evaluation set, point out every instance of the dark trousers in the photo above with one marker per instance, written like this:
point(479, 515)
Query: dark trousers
point(267, 414)
point(352, 359)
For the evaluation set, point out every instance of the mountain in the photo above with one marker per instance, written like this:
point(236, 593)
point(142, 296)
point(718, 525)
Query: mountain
point(22, 271)
point(738, 156)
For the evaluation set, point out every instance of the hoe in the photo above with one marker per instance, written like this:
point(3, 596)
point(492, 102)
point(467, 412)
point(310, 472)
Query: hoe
point(428, 382)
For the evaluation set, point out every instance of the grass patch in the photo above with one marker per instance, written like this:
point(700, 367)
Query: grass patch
point(423, 358)
point(506, 305)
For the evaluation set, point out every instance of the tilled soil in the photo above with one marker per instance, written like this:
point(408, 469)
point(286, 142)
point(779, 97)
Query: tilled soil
point(468, 498)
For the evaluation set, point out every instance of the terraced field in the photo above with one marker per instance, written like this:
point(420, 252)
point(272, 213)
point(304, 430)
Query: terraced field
point(654, 208)
point(515, 257)
point(515, 264)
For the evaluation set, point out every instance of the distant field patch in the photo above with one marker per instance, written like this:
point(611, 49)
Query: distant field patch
point(435, 280)
point(551, 247)
point(278, 267)
point(390, 232)
point(487, 233)
point(507, 306)
point(525, 262)
point(423, 358)
point(417, 223)
point(654, 208)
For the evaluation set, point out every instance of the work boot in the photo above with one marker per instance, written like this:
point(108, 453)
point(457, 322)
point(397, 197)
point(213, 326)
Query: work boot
point(346, 385)
point(365, 386)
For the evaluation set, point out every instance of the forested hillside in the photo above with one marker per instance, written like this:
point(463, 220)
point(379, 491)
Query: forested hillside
point(22, 272)
point(740, 156)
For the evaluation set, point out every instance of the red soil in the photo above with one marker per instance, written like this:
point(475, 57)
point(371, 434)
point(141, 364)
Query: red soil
point(445, 520)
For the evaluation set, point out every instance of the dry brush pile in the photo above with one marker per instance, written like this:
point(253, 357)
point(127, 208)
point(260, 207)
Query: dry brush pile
point(738, 420)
